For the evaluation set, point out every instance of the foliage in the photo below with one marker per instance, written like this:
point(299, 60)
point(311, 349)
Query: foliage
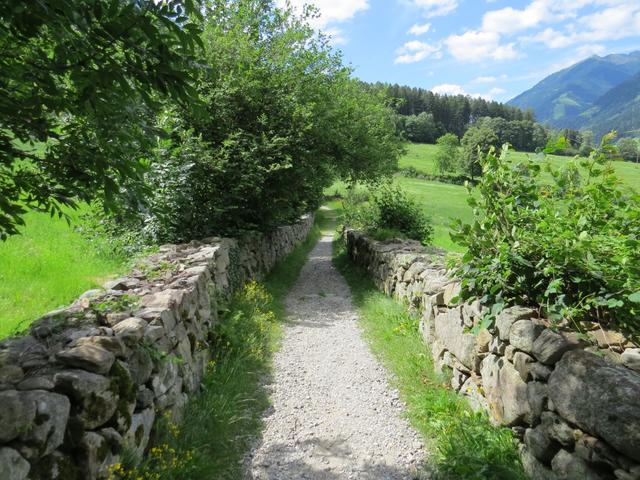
point(389, 213)
point(463, 444)
point(629, 149)
point(281, 119)
point(571, 247)
point(448, 155)
point(79, 80)
point(475, 145)
point(419, 128)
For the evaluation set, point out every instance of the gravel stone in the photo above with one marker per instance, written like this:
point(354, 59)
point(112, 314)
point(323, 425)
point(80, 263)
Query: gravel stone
point(334, 415)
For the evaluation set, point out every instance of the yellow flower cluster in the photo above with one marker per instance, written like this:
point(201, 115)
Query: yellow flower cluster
point(162, 461)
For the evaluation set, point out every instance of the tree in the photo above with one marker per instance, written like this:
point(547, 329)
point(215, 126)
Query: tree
point(629, 149)
point(78, 82)
point(281, 119)
point(448, 153)
point(420, 128)
point(475, 144)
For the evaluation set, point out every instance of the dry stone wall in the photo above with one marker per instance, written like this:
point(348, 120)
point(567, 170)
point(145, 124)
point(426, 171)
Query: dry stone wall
point(90, 380)
point(573, 402)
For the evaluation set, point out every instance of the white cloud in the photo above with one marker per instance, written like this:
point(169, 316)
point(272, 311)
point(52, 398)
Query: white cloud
point(436, 8)
point(477, 45)
point(448, 89)
point(330, 11)
point(415, 51)
point(589, 49)
point(419, 29)
point(509, 20)
point(454, 89)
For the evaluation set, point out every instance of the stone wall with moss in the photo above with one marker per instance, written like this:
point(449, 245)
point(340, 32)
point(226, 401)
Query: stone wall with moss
point(88, 382)
point(572, 400)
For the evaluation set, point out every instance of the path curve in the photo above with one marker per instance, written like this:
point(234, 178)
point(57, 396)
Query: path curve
point(334, 415)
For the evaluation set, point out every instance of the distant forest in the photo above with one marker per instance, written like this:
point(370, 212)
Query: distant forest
point(424, 116)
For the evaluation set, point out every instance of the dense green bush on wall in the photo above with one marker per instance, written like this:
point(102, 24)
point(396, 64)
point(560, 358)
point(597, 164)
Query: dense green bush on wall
point(571, 247)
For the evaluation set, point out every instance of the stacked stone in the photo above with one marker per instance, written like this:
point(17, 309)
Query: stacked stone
point(573, 401)
point(89, 381)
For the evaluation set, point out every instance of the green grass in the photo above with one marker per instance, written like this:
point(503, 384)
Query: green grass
point(422, 157)
point(46, 267)
point(463, 444)
point(220, 424)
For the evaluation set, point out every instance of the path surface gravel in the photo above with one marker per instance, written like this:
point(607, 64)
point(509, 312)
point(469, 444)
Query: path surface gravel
point(334, 415)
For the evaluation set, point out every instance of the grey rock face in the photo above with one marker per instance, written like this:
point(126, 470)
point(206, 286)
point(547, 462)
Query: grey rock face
point(50, 422)
point(506, 392)
point(523, 333)
point(570, 467)
point(631, 359)
point(508, 317)
point(92, 394)
point(549, 347)
point(16, 416)
point(540, 445)
point(88, 356)
point(600, 398)
point(450, 330)
point(12, 465)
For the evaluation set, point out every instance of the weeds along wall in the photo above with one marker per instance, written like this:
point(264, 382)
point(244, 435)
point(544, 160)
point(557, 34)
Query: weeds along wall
point(87, 383)
point(572, 401)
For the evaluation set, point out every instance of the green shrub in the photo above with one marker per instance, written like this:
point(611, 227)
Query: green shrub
point(448, 154)
point(389, 213)
point(571, 247)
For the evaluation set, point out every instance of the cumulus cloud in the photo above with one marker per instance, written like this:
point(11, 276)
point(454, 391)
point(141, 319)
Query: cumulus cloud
point(436, 8)
point(454, 89)
point(419, 29)
point(477, 45)
point(415, 51)
point(330, 12)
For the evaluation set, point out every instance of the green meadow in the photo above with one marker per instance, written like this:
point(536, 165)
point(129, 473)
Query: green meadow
point(47, 266)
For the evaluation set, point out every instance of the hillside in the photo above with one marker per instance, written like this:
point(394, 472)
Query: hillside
point(562, 98)
point(617, 109)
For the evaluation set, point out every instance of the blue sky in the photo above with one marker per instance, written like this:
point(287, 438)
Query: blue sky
point(491, 48)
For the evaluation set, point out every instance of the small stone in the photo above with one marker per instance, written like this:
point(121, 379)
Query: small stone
point(130, 330)
point(571, 467)
point(89, 357)
point(11, 374)
point(144, 398)
point(523, 333)
point(137, 437)
point(522, 363)
point(483, 339)
point(558, 429)
point(509, 316)
point(540, 445)
point(631, 358)
point(16, 415)
point(36, 383)
point(537, 395)
point(50, 422)
point(549, 347)
point(538, 371)
point(607, 338)
point(110, 344)
point(509, 352)
point(12, 465)
point(595, 451)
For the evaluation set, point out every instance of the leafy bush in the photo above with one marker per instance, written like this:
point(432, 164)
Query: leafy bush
point(475, 144)
point(389, 213)
point(571, 247)
point(448, 154)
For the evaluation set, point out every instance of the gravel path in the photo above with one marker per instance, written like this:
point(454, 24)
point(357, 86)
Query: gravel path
point(334, 415)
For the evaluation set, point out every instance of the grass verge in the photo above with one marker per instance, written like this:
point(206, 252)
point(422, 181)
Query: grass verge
point(462, 444)
point(222, 421)
point(47, 266)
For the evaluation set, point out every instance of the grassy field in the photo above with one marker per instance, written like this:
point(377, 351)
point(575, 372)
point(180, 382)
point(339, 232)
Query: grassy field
point(421, 157)
point(45, 267)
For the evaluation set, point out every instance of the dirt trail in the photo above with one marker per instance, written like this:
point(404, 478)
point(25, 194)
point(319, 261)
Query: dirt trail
point(334, 415)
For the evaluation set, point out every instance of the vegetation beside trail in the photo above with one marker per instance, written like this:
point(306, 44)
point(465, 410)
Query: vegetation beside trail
point(221, 422)
point(463, 444)
point(47, 267)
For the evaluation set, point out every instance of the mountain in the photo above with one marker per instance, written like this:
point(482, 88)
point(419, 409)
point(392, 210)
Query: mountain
point(618, 109)
point(585, 93)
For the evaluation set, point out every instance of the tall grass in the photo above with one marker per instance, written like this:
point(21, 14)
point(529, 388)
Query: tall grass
point(461, 444)
point(47, 266)
point(222, 421)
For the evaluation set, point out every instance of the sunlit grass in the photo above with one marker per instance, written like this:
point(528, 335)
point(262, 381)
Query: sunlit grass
point(46, 267)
